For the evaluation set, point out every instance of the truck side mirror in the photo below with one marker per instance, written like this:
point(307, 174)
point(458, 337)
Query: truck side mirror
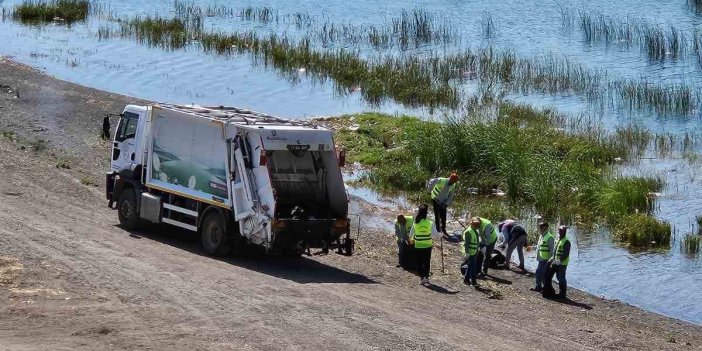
point(341, 157)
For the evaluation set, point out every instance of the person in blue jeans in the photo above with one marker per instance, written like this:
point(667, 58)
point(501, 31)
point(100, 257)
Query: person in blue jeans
point(469, 249)
point(545, 250)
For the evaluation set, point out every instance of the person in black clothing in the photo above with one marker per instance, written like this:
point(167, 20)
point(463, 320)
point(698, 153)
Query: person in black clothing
point(106, 128)
point(557, 266)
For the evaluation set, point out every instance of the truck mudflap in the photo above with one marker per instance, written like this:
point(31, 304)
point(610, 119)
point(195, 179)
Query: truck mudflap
point(305, 234)
point(110, 186)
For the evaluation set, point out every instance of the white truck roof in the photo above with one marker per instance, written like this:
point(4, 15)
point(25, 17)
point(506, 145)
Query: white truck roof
point(239, 116)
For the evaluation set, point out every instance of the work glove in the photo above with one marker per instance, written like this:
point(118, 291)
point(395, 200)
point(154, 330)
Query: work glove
point(556, 262)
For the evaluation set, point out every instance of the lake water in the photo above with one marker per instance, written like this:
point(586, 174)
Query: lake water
point(667, 282)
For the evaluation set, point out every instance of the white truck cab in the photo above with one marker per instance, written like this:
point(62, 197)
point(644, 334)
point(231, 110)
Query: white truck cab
point(237, 177)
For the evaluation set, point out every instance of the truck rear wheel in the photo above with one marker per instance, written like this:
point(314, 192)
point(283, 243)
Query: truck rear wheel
point(215, 238)
point(127, 209)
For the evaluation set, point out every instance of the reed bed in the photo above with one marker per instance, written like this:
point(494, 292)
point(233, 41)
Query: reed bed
point(501, 147)
point(642, 231)
point(409, 82)
point(657, 42)
point(691, 244)
point(624, 195)
point(431, 81)
point(40, 11)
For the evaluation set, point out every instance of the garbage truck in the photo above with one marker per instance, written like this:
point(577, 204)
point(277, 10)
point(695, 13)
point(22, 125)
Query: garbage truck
point(238, 178)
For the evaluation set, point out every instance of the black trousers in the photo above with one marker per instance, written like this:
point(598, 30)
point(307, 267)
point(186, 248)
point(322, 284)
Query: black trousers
point(423, 261)
point(439, 216)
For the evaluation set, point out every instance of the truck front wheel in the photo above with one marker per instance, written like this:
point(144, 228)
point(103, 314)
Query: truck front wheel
point(215, 239)
point(127, 209)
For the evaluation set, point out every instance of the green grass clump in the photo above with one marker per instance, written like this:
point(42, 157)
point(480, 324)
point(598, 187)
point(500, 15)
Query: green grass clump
point(691, 244)
point(621, 196)
point(8, 134)
point(642, 231)
point(62, 164)
point(39, 11)
point(87, 181)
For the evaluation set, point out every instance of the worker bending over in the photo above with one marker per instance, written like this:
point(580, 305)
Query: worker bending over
point(442, 192)
point(515, 238)
point(421, 236)
point(403, 224)
point(544, 253)
point(469, 249)
point(488, 237)
point(559, 263)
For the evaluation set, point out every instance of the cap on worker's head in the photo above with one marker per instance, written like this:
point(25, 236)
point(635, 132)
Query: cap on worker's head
point(400, 218)
point(562, 228)
point(475, 220)
point(453, 177)
point(543, 223)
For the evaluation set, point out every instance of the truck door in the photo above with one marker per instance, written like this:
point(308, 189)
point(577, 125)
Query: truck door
point(124, 145)
point(242, 195)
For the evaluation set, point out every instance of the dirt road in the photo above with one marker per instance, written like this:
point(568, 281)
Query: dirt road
point(70, 278)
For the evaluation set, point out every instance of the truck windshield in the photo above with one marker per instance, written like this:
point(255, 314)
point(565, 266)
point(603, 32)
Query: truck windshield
point(127, 126)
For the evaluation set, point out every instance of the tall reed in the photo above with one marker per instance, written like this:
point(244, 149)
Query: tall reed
point(691, 244)
point(658, 43)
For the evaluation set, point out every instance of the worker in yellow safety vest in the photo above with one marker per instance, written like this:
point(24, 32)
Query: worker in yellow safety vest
point(442, 192)
point(469, 249)
point(544, 251)
point(488, 237)
point(403, 224)
point(559, 264)
point(421, 234)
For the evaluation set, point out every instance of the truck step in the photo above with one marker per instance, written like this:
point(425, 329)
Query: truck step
point(181, 210)
point(179, 224)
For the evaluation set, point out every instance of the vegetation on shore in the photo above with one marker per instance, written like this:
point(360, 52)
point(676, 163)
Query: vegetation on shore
point(505, 149)
point(642, 231)
point(41, 11)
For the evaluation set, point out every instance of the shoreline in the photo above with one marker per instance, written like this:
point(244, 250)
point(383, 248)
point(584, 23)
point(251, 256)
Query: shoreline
point(71, 128)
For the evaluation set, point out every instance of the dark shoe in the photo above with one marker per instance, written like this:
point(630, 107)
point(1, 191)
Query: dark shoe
point(398, 266)
point(537, 289)
point(561, 297)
